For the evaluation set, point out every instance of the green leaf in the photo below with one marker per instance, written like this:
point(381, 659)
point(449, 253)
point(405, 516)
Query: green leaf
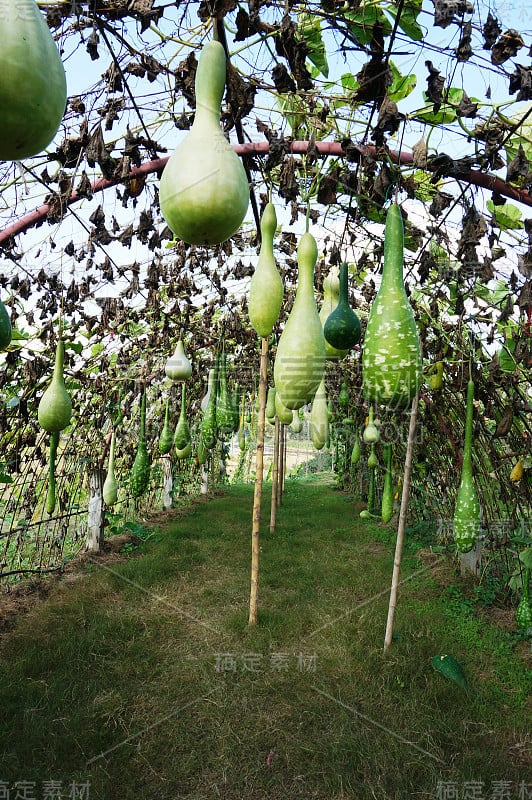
point(449, 667)
point(5, 478)
point(362, 20)
point(309, 29)
point(349, 82)
point(507, 217)
point(76, 347)
point(401, 86)
point(526, 557)
point(408, 18)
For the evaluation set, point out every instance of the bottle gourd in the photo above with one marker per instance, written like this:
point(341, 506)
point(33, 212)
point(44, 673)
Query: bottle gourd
point(284, 414)
point(319, 418)
point(140, 471)
point(342, 327)
point(266, 289)
point(300, 358)
point(208, 431)
point(55, 406)
point(178, 367)
point(391, 354)
point(331, 294)
point(224, 402)
point(110, 486)
point(33, 91)
point(166, 436)
point(204, 191)
point(466, 523)
point(182, 437)
point(5, 327)
point(387, 489)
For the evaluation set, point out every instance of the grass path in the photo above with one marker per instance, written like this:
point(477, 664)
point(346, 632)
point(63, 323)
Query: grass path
point(143, 681)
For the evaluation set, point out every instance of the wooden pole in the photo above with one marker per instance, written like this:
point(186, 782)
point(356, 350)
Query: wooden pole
point(257, 496)
point(275, 476)
point(95, 523)
point(168, 482)
point(402, 523)
point(282, 464)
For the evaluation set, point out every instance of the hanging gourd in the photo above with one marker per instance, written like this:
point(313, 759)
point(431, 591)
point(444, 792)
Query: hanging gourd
point(224, 402)
point(5, 327)
point(300, 357)
point(204, 191)
point(55, 406)
point(319, 418)
point(466, 524)
point(241, 433)
point(357, 450)
point(50, 494)
point(391, 354)
point(372, 465)
point(342, 327)
point(523, 613)
point(236, 408)
point(285, 414)
point(387, 489)
point(331, 293)
point(110, 486)
point(435, 375)
point(270, 405)
point(343, 397)
point(373, 461)
point(182, 437)
point(266, 289)
point(140, 471)
point(210, 386)
point(201, 453)
point(296, 426)
point(208, 430)
point(178, 367)
point(33, 90)
point(166, 436)
point(371, 433)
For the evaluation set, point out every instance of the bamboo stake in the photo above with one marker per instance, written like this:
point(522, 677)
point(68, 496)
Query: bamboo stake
point(280, 468)
point(257, 496)
point(402, 523)
point(275, 476)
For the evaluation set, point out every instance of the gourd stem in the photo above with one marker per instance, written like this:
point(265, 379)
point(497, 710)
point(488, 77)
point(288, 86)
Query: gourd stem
point(468, 439)
point(344, 292)
point(257, 495)
point(402, 522)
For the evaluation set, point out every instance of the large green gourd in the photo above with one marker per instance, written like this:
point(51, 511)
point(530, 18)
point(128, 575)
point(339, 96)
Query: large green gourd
point(140, 471)
point(319, 418)
point(33, 90)
point(50, 494)
point(55, 406)
point(182, 437)
point(166, 436)
point(391, 355)
point(466, 525)
point(208, 430)
point(342, 327)
point(300, 357)
point(5, 327)
point(387, 489)
point(224, 402)
point(110, 486)
point(270, 405)
point(204, 191)
point(284, 414)
point(178, 367)
point(331, 294)
point(266, 289)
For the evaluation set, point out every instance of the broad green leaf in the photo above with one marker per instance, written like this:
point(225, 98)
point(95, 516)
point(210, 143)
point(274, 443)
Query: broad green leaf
point(349, 82)
point(309, 29)
point(526, 557)
point(401, 86)
point(445, 115)
point(362, 20)
point(507, 217)
point(76, 347)
point(5, 478)
point(408, 18)
point(424, 188)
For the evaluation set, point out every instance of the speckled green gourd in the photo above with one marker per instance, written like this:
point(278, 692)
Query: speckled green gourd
point(166, 436)
point(523, 613)
point(33, 91)
point(224, 402)
point(300, 357)
point(331, 293)
point(140, 471)
point(55, 406)
point(110, 485)
point(182, 437)
point(319, 418)
point(391, 354)
point(5, 327)
point(466, 523)
point(204, 190)
point(266, 288)
point(342, 327)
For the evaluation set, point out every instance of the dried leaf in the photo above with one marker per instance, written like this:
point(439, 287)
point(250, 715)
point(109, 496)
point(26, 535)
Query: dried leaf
point(288, 179)
point(491, 31)
point(466, 108)
point(295, 51)
point(419, 154)
point(435, 84)
point(464, 51)
point(518, 166)
point(282, 80)
point(506, 47)
point(521, 82)
point(445, 11)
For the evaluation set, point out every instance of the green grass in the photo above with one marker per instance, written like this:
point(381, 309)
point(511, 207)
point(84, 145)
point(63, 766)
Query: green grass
point(145, 680)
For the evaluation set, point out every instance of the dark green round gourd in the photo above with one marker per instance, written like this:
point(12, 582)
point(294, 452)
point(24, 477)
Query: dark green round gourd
point(110, 486)
point(319, 418)
point(342, 327)
point(33, 90)
point(55, 406)
point(140, 472)
point(208, 431)
point(182, 437)
point(5, 327)
point(466, 523)
point(391, 354)
point(300, 357)
point(204, 190)
point(331, 293)
point(387, 489)
point(51, 491)
point(166, 436)
point(266, 289)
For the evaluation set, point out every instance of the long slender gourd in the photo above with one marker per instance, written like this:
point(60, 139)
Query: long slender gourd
point(33, 91)
point(182, 436)
point(55, 406)
point(319, 418)
point(166, 436)
point(387, 489)
point(140, 471)
point(391, 354)
point(204, 190)
point(300, 357)
point(466, 523)
point(208, 431)
point(342, 327)
point(266, 289)
point(224, 403)
point(110, 485)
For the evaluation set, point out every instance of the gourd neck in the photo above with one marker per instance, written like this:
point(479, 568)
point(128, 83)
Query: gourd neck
point(307, 256)
point(142, 431)
point(183, 400)
point(468, 439)
point(392, 272)
point(210, 84)
point(343, 299)
point(59, 361)
point(112, 451)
